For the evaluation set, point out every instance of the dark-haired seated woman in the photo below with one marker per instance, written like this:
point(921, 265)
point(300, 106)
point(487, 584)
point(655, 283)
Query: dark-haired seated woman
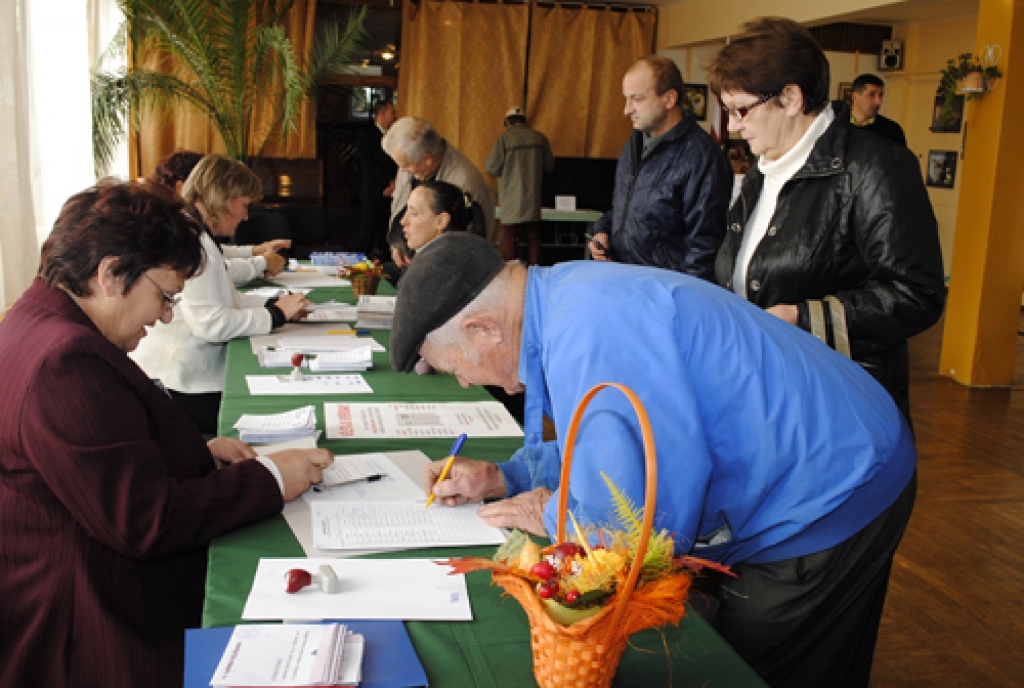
point(108, 492)
point(435, 208)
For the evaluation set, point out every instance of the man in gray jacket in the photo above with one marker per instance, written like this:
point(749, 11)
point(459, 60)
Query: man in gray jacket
point(421, 153)
point(519, 159)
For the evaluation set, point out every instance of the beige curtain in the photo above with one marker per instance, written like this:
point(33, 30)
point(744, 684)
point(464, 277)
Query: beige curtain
point(462, 67)
point(578, 57)
point(162, 133)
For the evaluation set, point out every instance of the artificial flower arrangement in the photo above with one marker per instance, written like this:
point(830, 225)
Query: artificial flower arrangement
point(364, 267)
point(575, 580)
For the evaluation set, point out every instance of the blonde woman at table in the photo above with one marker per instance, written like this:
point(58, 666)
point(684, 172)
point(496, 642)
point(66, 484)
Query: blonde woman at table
point(109, 495)
point(188, 353)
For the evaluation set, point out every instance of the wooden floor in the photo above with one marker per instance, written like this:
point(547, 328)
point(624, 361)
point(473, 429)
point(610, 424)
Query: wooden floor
point(955, 611)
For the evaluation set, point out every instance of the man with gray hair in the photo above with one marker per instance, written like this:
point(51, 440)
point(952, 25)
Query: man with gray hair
point(775, 455)
point(422, 154)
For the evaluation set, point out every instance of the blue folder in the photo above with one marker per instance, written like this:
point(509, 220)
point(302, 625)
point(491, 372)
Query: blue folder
point(389, 660)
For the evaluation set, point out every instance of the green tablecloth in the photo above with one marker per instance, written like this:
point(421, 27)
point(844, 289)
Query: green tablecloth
point(493, 649)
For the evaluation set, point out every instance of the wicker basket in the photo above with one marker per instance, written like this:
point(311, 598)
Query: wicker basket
point(364, 285)
point(587, 653)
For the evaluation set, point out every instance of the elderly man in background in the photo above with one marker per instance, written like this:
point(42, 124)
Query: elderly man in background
point(520, 158)
point(867, 94)
point(672, 183)
point(422, 154)
point(776, 455)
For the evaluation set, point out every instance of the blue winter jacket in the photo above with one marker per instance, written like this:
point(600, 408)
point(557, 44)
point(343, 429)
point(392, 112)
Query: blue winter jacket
point(669, 209)
point(765, 436)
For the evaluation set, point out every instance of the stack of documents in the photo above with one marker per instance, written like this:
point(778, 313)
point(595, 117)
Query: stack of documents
point(316, 343)
point(277, 427)
point(290, 655)
point(333, 361)
point(376, 312)
point(332, 311)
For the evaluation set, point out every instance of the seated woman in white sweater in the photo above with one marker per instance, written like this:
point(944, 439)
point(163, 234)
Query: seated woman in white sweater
point(245, 263)
point(187, 355)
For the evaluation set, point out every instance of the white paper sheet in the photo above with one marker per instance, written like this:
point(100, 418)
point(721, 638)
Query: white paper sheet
point(407, 486)
point(306, 329)
point(282, 655)
point(406, 589)
point(342, 484)
point(307, 279)
point(271, 292)
point(328, 342)
point(312, 384)
point(398, 420)
point(333, 313)
point(398, 525)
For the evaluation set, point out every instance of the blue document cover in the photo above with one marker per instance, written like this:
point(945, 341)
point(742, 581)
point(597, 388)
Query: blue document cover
point(389, 660)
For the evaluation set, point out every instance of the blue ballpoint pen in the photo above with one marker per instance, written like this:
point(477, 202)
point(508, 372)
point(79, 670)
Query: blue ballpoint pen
point(456, 448)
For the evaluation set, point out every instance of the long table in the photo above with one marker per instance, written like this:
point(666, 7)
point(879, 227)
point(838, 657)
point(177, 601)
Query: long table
point(493, 649)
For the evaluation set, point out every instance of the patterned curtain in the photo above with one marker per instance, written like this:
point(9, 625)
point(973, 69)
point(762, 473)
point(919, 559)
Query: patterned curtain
point(578, 57)
point(162, 133)
point(463, 67)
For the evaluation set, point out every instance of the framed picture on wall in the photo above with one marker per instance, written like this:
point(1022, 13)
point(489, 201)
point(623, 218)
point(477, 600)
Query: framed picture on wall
point(956, 118)
point(696, 100)
point(845, 92)
point(941, 169)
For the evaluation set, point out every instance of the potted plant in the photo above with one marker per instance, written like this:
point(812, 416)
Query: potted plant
point(964, 75)
point(230, 55)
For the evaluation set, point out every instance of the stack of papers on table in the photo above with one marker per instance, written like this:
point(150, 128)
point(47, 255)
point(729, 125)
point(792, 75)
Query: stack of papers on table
point(290, 655)
point(309, 384)
point(398, 525)
point(376, 312)
point(316, 343)
point(332, 311)
point(277, 427)
point(336, 361)
point(271, 292)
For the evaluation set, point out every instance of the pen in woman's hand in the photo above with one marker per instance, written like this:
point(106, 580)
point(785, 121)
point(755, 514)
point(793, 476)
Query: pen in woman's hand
point(590, 237)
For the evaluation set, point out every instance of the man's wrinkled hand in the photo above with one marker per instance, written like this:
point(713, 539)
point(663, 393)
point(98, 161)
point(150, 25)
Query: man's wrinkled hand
point(525, 511)
point(468, 481)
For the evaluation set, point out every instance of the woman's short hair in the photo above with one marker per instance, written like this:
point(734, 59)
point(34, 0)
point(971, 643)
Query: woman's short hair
point(176, 167)
point(465, 213)
point(414, 136)
point(139, 223)
point(215, 181)
point(771, 53)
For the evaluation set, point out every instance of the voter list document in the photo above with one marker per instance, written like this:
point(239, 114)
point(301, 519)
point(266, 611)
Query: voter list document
point(400, 421)
point(397, 525)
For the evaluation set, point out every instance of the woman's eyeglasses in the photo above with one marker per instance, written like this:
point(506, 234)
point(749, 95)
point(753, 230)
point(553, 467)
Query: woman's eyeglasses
point(739, 113)
point(170, 300)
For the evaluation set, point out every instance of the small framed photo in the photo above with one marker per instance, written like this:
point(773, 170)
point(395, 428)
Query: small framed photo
point(737, 152)
point(941, 169)
point(845, 92)
point(696, 100)
point(956, 118)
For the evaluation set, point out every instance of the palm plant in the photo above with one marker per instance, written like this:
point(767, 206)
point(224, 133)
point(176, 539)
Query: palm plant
point(227, 56)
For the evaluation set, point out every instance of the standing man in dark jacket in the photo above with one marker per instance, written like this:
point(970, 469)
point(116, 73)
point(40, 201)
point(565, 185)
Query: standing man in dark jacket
point(866, 100)
point(379, 172)
point(672, 183)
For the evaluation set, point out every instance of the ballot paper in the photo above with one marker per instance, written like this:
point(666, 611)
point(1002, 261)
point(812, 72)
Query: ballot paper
point(332, 312)
point(327, 342)
point(310, 384)
point(377, 304)
point(398, 525)
point(346, 481)
point(271, 292)
point(400, 420)
point(307, 279)
point(277, 427)
point(405, 589)
point(290, 655)
point(333, 361)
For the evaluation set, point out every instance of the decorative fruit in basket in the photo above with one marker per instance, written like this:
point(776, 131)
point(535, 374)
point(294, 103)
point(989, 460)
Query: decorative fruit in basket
point(575, 580)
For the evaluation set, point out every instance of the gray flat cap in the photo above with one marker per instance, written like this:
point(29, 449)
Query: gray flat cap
point(442, 279)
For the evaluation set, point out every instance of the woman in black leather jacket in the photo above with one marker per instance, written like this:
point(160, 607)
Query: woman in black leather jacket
point(833, 230)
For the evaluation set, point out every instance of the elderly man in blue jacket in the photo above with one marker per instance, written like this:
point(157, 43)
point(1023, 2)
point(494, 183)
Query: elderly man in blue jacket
point(672, 182)
point(776, 455)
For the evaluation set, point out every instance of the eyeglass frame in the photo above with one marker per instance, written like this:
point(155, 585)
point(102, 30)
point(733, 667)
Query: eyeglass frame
point(170, 300)
point(740, 113)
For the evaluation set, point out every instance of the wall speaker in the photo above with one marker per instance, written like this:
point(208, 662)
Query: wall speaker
point(891, 56)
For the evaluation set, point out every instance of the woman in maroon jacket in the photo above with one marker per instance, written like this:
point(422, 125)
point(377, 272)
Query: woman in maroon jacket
point(108, 493)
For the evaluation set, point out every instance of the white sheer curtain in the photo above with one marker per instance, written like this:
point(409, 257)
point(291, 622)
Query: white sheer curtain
point(46, 141)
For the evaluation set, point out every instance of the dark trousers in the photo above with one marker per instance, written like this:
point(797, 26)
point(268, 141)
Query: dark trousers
point(813, 621)
point(508, 243)
point(373, 223)
point(203, 409)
